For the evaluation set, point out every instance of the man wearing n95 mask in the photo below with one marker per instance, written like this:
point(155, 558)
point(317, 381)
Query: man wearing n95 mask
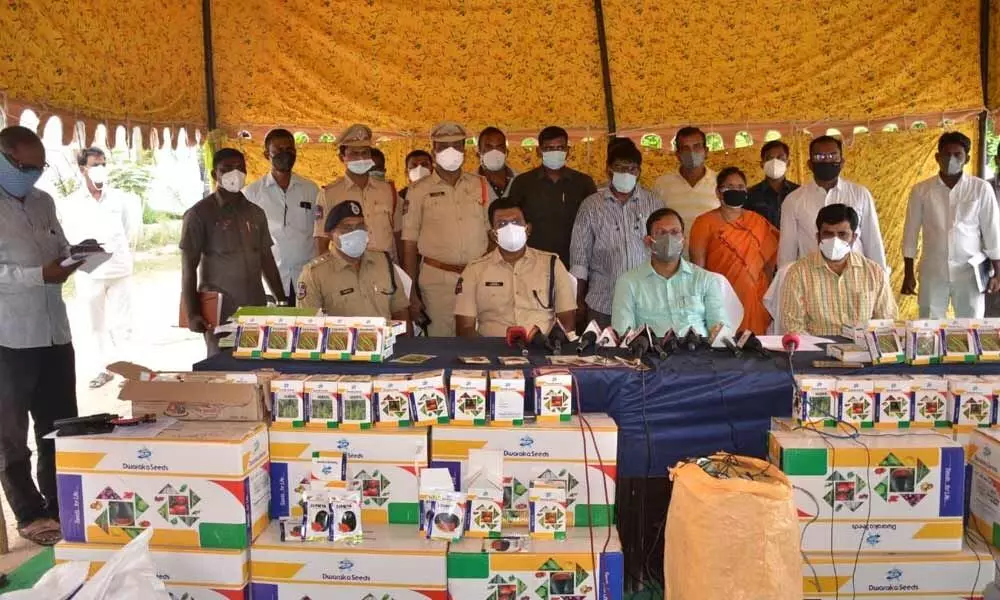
point(351, 280)
point(514, 285)
point(834, 286)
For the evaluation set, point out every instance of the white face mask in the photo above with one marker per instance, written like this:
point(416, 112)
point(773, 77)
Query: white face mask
point(775, 168)
point(232, 181)
point(450, 159)
point(623, 182)
point(512, 237)
point(955, 165)
point(554, 159)
point(360, 167)
point(353, 244)
point(494, 160)
point(98, 174)
point(834, 248)
point(417, 173)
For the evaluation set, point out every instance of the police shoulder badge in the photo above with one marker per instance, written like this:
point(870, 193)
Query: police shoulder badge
point(458, 286)
point(355, 208)
point(318, 212)
point(302, 290)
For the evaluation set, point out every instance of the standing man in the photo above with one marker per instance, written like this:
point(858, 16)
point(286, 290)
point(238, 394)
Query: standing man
point(287, 201)
point(444, 229)
point(37, 371)
point(376, 197)
point(227, 237)
point(114, 218)
point(959, 218)
point(691, 190)
point(767, 196)
point(798, 214)
point(551, 195)
point(514, 284)
point(493, 163)
point(608, 236)
point(378, 169)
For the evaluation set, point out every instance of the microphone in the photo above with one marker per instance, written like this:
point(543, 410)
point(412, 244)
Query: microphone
point(790, 342)
point(537, 338)
point(640, 342)
point(518, 337)
point(728, 343)
point(627, 337)
point(589, 337)
point(608, 338)
point(692, 340)
point(751, 343)
point(557, 337)
point(669, 342)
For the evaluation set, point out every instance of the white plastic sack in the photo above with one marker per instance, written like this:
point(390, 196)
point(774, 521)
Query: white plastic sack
point(59, 583)
point(127, 575)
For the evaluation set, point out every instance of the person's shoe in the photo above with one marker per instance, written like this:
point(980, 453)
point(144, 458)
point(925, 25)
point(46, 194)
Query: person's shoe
point(44, 532)
point(101, 380)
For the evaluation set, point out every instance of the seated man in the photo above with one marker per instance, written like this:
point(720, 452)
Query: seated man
point(351, 281)
point(668, 292)
point(835, 286)
point(513, 284)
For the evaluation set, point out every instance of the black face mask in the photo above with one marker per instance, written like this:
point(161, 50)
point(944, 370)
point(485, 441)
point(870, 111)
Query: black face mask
point(283, 161)
point(735, 198)
point(826, 171)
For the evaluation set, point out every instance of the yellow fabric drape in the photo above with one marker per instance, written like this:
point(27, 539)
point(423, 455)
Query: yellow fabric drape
point(888, 164)
point(139, 61)
point(994, 75)
point(731, 61)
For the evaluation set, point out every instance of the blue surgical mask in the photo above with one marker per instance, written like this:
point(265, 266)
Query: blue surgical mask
point(14, 181)
point(353, 244)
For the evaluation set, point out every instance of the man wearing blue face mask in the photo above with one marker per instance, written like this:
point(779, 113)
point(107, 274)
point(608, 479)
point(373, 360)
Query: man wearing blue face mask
point(668, 292)
point(350, 280)
point(37, 364)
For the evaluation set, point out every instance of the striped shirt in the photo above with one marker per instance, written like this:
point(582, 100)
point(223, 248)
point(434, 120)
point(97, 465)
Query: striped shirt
point(608, 241)
point(817, 301)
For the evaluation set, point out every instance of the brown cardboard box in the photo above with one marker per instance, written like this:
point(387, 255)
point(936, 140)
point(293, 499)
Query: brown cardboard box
point(195, 396)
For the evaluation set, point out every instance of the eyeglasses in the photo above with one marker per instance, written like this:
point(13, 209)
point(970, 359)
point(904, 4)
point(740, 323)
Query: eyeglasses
point(826, 157)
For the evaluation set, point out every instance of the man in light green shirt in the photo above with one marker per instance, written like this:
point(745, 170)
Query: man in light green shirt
point(668, 292)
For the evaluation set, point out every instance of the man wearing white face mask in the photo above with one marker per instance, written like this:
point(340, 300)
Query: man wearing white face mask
point(444, 229)
point(377, 197)
point(767, 196)
point(350, 280)
point(113, 218)
point(226, 248)
point(514, 285)
point(959, 218)
point(492, 146)
point(835, 286)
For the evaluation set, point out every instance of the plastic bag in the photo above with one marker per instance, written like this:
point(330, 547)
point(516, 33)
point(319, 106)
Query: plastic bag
point(59, 583)
point(127, 575)
point(732, 538)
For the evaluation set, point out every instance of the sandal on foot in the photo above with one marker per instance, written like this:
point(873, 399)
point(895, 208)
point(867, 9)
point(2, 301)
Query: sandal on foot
point(44, 532)
point(101, 380)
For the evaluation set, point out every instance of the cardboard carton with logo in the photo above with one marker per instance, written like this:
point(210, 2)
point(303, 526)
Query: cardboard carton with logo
point(930, 401)
point(382, 463)
point(856, 400)
point(880, 491)
point(893, 402)
point(972, 401)
point(197, 396)
point(984, 502)
point(517, 568)
point(939, 576)
point(546, 451)
point(195, 484)
point(815, 400)
point(193, 573)
point(390, 562)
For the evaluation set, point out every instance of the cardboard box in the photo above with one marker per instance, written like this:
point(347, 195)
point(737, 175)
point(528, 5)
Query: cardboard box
point(193, 396)
point(984, 502)
point(321, 394)
point(195, 484)
point(549, 451)
point(553, 394)
point(544, 570)
point(186, 572)
point(430, 397)
point(288, 400)
point(856, 333)
point(507, 389)
point(849, 353)
point(971, 401)
point(469, 390)
point(815, 400)
point(943, 576)
point(882, 492)
point(856, 401)
point(391, 562)
point(930, 401)
point(392, 400)
point(383, 463)
point(893, 402)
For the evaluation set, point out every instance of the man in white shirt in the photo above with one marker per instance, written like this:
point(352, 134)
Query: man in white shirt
point(960, 220)
point(287, 200)
point(798, 212)
point(113, 218)
point(691, 190)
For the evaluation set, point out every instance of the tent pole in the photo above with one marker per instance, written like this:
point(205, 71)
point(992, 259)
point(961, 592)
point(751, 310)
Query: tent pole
point(984, 73)
point(206, 27)
point(602, 42)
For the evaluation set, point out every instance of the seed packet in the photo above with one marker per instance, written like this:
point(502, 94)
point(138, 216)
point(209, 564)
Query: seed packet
point(288, 400)
point(856, 396)
point(930, 401)
point(958, 341)
point(317, 523)
point(430, 402)
point(329, 470)
point(893, 401)
point(392, 400)
point(292, 529)
point(972, 400)
point(280, 337)
point(813, 401)
point(339, 339)
point(310, 338)
point(548, 510)
point(507, 397)
point(322, 401)
point(345, 525)
point(923, 342)
point(250, 334)
point(468, 396)
point(445, 517)
point(355, 401)
point(988, 339)
point(885, 342)
point(508, 544)
point(553, 394)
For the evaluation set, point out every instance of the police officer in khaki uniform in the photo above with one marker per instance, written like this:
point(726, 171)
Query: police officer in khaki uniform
point(445, 227)
point(377, 198)
point(350, 280)
point(513, 284)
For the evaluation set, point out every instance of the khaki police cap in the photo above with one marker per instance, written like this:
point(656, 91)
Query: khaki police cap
point(356, 136)
point(448, 131)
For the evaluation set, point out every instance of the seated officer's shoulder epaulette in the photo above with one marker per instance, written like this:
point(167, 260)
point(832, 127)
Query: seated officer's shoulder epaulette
point(319, 260)
point(482, 259)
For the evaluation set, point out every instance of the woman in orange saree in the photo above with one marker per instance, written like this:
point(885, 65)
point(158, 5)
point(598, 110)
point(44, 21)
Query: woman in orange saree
point(740, 245)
